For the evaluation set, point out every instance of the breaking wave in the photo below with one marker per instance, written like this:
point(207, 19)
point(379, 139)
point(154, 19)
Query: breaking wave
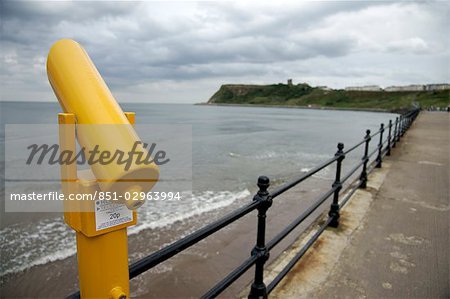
point(49, 240)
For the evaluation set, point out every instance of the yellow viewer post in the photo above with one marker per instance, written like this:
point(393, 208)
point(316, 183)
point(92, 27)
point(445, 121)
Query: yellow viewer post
point(93, 118)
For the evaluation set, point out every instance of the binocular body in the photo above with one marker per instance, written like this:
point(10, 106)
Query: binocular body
point(101, 124)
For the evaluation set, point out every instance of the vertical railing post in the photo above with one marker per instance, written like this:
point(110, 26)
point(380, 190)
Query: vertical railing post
point(380, 147)
point(403, 125)
point(394, 140)
point(258, 288)
point(363, 176)
point(388, 153)
point(334, 209)
point(408, 119)
point(400, 124)
point(406, 124)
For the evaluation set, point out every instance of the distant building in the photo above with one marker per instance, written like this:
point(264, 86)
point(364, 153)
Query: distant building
point(289, 82)
point(443, 86)
point(416, 87)
point(364, 88)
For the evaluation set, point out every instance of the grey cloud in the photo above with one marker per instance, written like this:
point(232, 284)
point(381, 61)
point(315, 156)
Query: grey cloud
point(137, 43)
point(54, 10)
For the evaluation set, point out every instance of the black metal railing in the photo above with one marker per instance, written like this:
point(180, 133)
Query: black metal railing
point(263, 199)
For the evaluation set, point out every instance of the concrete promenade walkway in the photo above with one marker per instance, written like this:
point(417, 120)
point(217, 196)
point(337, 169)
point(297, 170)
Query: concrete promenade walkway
point(393, 241)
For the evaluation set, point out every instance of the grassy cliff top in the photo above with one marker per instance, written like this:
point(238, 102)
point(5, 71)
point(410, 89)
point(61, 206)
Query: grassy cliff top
point(307, 96)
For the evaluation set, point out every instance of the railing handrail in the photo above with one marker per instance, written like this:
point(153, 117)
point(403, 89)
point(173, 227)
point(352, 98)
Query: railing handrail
point(167, 252)
point(263, 200)
point(285, 187)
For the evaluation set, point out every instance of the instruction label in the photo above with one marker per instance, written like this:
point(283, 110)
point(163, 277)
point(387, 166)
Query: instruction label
point(108, 214)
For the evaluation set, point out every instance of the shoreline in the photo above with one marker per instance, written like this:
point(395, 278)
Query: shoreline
point(378, 110)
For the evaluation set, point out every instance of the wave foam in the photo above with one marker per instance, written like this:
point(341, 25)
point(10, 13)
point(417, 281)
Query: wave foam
point(48, 240)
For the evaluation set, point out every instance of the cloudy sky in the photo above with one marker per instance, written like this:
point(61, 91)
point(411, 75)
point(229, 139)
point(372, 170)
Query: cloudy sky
point(181, 52)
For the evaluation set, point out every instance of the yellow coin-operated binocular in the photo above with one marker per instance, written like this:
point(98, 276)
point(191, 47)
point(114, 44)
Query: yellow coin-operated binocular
point(93, 117)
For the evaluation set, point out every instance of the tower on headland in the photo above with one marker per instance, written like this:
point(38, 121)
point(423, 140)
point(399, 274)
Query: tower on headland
point(289, 82)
